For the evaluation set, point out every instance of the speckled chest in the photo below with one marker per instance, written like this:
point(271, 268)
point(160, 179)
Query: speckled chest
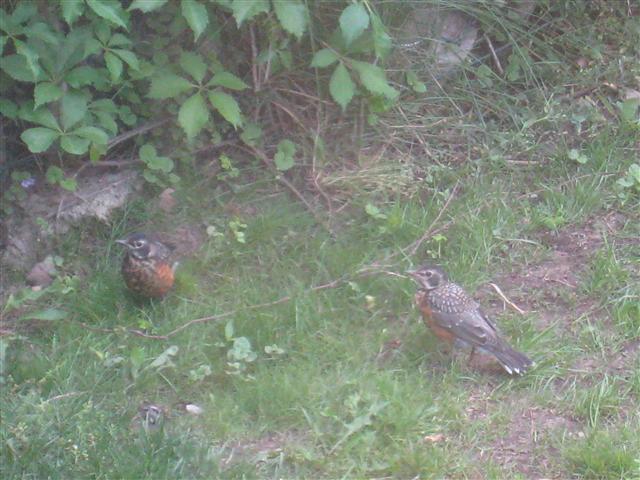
point(449, 298)
point(150, 278)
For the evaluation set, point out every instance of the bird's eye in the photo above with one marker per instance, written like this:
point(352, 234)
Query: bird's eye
point(428, 273)
point(138, 244)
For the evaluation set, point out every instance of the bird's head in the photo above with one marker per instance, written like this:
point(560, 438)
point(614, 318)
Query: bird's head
point(428, 277)
point(138, 246)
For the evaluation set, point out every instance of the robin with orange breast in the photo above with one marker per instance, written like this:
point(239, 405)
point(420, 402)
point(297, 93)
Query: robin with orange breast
point(453, 316)
point(146, 267)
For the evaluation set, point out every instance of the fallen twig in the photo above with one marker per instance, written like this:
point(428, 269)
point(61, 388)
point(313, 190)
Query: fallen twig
point(506, 300)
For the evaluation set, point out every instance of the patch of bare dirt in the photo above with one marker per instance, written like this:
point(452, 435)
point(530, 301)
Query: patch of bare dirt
point(528, 446)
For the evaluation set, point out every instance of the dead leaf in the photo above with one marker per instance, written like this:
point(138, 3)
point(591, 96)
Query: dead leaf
point(435, 438)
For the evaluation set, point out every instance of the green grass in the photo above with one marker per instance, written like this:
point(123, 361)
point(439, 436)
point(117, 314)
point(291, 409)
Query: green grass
point(357, 387)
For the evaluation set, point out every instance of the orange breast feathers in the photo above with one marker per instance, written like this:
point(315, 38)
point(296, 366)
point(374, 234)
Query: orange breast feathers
point(163, 279)
point(422, 302)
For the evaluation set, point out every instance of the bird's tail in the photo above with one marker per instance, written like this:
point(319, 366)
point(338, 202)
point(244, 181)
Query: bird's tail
point(512, 360)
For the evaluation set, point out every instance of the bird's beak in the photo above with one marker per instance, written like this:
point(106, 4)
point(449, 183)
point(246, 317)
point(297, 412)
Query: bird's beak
point(122, 242)
point(411, 273)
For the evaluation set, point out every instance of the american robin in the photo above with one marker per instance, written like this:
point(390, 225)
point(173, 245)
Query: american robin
point(146, 267)
point(453, 315)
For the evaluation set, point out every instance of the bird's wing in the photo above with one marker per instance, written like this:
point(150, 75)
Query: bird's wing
point(471, 326)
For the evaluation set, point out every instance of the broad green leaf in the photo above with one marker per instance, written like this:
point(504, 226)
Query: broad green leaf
point(168, 85)
point(194, 65)
point(382, 42)
point(74, 144)
point(46, 92)
point(164, 164)
point(374, 79)
point(324, 58)
point(196, 16)
point(54, 174)
point(39, 139)
point(227, 80)
point(147, 6)
point(129, 57)
point(3, 42)
point(8, 108)
point(227, 106)
point(628, 110)
point(82, 76)
point(247, 9)
point(30, 55)
point(119, 40)
point(71, 10)
point(353, 21)
point(114, 65)
point(41, 116)
point(193, 115)
point(147, 153)
point(341, 86)
point(92, 47)
point(251, 133)
point(284, 156)
point(73, 108)
point(92, 133)
point(17, 68)
point(42, 31)
point(69, 184)
point(111, 11)
point(415, 83)
point(50, 314)
point(106, 120)
point(292, 15)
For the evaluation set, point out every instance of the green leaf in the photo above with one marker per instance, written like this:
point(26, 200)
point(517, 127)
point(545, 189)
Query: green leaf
point(251, 133)
point(247, 9)
point(114, 65)
point(292, 15)
point(46, 92)
point(129, 57)
point(111, 11)
point(193, 115)
point(165, 164)
point(324, 58)
point(92, 133)
point(227, 106)
point(30, 55)
point(374, 79)
point(341, 86)
point(41, 116)
point(415, 83)
point(82, 76)
point(69, 184)
point(284, 156)
point(54, 175)
point(382, 43)
point(74, 145)
point(228, 330)
point(353, 21)
point(24, 11)
point(50, 314)
point(119, 40)
point(8, 108)
point(227, 80)
point(634, 171)
point(3, 42)
point(39, 139)
point(147, 6)
point(71, 10)
point(194, 65)
point(628, 110)
point(147, 153)
point(73, 109)
point(17, 68)
point(168, 85)
point(196, 16)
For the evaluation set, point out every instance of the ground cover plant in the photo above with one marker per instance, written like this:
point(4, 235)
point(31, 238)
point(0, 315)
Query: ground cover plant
point(289, 347)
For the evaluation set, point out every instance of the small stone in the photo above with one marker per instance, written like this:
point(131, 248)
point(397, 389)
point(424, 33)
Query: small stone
point(42, 273)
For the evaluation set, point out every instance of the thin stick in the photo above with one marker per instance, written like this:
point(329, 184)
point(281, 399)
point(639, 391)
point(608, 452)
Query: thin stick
point(506, 300)
point(494, 55)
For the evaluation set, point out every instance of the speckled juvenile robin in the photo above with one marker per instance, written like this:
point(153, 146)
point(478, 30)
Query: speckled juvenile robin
point(146, 267)
point(453, 315)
